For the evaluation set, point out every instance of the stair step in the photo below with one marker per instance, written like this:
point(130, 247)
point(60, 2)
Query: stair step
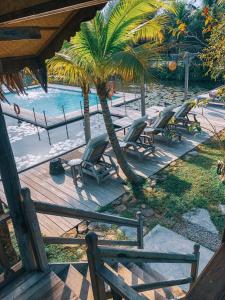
point(131, 278)
point(77, 282)
point(168, 293)
point(38, 286)
point(23, 282)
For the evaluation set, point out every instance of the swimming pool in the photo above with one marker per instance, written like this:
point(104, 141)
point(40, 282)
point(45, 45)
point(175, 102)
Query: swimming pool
point(53, 101)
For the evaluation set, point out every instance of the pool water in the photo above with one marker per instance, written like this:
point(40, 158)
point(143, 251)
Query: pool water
point(53, 101)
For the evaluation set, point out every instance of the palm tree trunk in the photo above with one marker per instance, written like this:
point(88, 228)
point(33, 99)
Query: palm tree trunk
point(102, 93)
point(143, 112)
point(87, 126)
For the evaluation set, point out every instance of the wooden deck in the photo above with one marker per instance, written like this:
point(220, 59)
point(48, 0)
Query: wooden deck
point(91, 196)
point(61, 190)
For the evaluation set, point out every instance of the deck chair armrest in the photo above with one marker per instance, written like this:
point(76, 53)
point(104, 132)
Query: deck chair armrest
point(146, 137)
point(87, 163)
point(181, 119)
point(131, 144)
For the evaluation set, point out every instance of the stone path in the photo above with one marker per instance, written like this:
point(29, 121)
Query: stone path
point(161, 239)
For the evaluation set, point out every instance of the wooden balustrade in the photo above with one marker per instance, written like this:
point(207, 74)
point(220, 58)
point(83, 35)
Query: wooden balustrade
point(97, 256)
point(56, 210)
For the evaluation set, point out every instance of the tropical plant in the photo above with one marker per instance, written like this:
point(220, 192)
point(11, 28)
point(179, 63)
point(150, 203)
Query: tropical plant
point(109, 45)
point(65, 68)
point(213, 56)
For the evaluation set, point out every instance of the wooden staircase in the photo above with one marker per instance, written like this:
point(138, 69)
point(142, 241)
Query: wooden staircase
point(110, 273)
point(78, 280)
point(72, 281)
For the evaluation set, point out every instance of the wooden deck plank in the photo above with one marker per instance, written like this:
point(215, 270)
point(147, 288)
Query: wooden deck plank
point(99, 194)
point(63, 224)
point(64, 192)
point(67, 199)
point(64, 183)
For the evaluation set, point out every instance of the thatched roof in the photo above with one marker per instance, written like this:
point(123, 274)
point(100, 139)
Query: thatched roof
point(33, 30)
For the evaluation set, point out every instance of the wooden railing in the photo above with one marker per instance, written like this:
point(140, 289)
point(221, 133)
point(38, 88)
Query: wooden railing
point(31, 208)
point(10, 270)
point(98, 256)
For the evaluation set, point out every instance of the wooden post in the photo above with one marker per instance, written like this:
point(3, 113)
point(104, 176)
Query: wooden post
point(195, 265)
point(11, 184)
point(186, 76)
point(34, 230)
point(94, 262)
point(116, 296)
point(143, 112)
point(4, 260)
point(140, 234)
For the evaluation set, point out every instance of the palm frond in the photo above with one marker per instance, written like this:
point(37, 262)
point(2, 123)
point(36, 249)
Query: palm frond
point(13, 82)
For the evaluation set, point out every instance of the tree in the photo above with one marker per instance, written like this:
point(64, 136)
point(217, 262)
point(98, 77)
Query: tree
point(108, 46)
point(66, 68)
point(213, 56)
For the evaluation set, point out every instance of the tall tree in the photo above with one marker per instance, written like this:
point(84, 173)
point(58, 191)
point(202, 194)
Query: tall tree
point(108, 45)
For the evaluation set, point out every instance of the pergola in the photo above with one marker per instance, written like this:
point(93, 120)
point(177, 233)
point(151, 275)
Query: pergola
point(30, 32)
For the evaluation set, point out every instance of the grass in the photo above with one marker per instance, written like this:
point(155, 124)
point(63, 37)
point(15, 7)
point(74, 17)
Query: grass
point(191, 182)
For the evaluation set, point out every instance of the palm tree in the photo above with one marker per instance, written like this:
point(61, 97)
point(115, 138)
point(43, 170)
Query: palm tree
point(66, 68)
point(107, 46)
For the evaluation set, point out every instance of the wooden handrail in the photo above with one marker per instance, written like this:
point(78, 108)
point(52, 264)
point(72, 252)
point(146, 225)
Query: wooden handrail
point(124, 255)
point(76, 241)
point(118, 285)
point(69, 212)
point(161, 284)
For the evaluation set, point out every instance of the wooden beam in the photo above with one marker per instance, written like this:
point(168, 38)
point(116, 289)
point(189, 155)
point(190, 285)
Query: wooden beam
point(12, 189)
point(19, 33)
point(48, 8)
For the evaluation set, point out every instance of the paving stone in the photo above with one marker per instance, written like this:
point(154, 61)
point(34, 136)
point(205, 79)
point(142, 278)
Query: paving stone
point(120, 208)
point(222, 208)
point(82, 228)
point(126, 198)
point(161, 239)
point(130, 232)
point(148, 212)
point(193, 153)
point(200, 217)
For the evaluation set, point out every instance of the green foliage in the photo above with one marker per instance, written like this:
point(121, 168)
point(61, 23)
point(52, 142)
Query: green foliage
point(107, 45)
point(214, 55)
point(62, 253)
point(191, 183)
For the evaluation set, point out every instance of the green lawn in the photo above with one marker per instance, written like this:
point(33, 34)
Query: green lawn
point(191, 182)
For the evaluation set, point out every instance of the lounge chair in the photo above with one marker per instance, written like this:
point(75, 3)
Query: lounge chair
point(135, 141)
point(94, 161)
point(162, 126)
point(181, 117)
